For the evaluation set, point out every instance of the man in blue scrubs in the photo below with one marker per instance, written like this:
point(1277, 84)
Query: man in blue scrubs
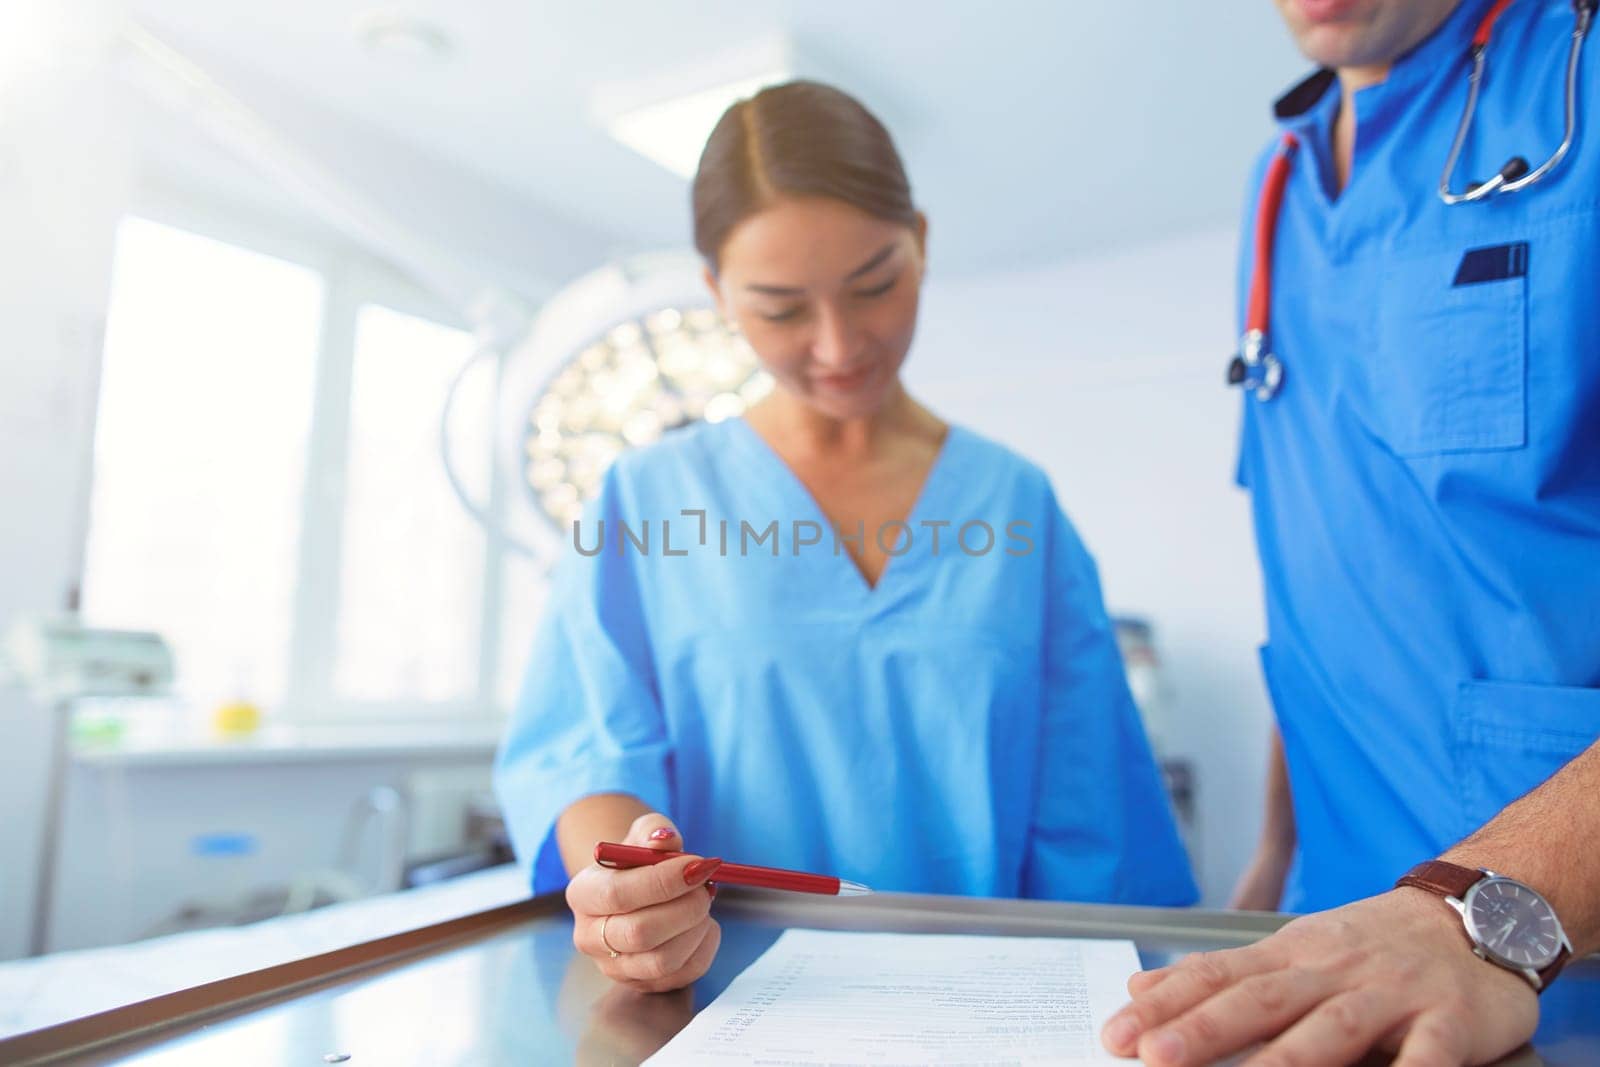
point(1426, 490)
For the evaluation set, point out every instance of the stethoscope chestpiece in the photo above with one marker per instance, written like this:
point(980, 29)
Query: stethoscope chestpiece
point(1237, 371)
point(1255, 370)
point(1271, 377)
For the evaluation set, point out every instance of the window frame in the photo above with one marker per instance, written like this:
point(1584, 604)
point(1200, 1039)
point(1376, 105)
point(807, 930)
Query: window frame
point(353, 278)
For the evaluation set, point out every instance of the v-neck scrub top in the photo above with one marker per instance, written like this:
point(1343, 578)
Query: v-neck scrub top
point(962, 727)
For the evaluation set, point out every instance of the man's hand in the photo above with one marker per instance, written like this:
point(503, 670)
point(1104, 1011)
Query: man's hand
point(1392, 972)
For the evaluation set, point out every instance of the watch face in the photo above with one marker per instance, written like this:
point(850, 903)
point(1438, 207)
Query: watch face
point(1512, 923)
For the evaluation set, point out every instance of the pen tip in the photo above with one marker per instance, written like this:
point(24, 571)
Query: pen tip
point(853, 889)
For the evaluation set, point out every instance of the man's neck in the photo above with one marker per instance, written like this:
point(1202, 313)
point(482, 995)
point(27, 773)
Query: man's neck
point(1351, 80)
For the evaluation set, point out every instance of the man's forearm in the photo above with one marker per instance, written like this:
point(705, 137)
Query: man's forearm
point(1277, 828)
point(1546, 839)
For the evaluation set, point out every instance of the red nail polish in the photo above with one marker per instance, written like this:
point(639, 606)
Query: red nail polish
point(700, 870)
point(663, 833)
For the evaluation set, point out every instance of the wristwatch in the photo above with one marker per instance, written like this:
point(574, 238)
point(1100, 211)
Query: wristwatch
point(1507, 922)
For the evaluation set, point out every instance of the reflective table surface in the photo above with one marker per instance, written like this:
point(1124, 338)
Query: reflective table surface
point(506, 987)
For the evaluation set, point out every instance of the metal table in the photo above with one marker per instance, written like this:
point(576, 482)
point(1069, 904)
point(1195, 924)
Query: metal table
point(506, 987)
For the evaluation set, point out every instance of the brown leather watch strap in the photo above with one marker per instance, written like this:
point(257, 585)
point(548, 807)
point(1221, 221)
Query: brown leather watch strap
point(1548, 975)
point(1446, 879)
point(1453, 880)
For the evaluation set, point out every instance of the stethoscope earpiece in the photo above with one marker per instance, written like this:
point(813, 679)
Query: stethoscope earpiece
point(1516, 174)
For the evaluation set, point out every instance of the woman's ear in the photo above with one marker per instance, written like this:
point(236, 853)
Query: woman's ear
point(921, 231)
point(715, 289)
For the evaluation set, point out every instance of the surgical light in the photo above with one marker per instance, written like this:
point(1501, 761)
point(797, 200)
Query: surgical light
point(639, 379)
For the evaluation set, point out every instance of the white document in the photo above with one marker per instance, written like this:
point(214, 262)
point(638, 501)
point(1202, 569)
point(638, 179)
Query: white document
point(844, 999)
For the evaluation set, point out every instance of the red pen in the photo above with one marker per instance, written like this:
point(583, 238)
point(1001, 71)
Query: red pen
point(621, 857)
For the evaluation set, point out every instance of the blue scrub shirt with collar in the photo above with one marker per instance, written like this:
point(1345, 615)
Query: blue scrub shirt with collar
point(1426, 486)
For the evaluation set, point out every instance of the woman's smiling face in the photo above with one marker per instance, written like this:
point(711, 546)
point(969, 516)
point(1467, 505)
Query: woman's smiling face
point(826, 294)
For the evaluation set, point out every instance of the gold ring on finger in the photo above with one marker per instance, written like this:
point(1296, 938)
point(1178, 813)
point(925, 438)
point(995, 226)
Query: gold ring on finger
point(603, 941)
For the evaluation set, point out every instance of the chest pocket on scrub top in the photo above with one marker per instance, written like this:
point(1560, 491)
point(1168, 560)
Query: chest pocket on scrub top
point(1451, 373)
point(1509, 737)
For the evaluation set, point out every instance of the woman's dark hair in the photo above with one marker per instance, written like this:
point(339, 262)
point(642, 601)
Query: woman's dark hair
point(801, 138)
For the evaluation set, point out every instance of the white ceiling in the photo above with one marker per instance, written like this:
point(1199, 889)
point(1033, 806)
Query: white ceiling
point(1032, 130)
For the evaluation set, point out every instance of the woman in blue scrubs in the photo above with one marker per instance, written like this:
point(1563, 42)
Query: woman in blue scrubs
point(858, 640)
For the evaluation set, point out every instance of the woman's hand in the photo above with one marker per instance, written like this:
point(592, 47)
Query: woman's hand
point(649, 928)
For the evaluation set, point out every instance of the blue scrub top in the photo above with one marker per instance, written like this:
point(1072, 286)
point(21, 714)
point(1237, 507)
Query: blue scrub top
point(1426, 487)
point(963, 727)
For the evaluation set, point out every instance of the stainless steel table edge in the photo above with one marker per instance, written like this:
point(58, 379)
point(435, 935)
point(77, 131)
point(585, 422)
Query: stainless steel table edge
point(915, 912)
point(127, 1030)
point(167, 1016)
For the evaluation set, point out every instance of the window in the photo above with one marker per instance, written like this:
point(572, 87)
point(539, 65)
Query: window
point(269, 492)
point(268, 488)
point(412, 566)
point(200, 454)
point(522, 598)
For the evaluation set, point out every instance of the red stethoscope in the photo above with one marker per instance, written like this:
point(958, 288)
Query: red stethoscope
point(1253, 367)
point(1257, 369)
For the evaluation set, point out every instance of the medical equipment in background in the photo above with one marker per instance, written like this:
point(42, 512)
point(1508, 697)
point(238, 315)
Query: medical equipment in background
point(60, 661)
point(1255, 367)
point(611, 362)
point(1515, 175)
point(433, 824)
point(377, 823)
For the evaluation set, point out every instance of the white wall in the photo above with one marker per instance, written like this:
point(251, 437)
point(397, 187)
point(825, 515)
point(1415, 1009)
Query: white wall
point(63, 175)
point(1109, 373)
